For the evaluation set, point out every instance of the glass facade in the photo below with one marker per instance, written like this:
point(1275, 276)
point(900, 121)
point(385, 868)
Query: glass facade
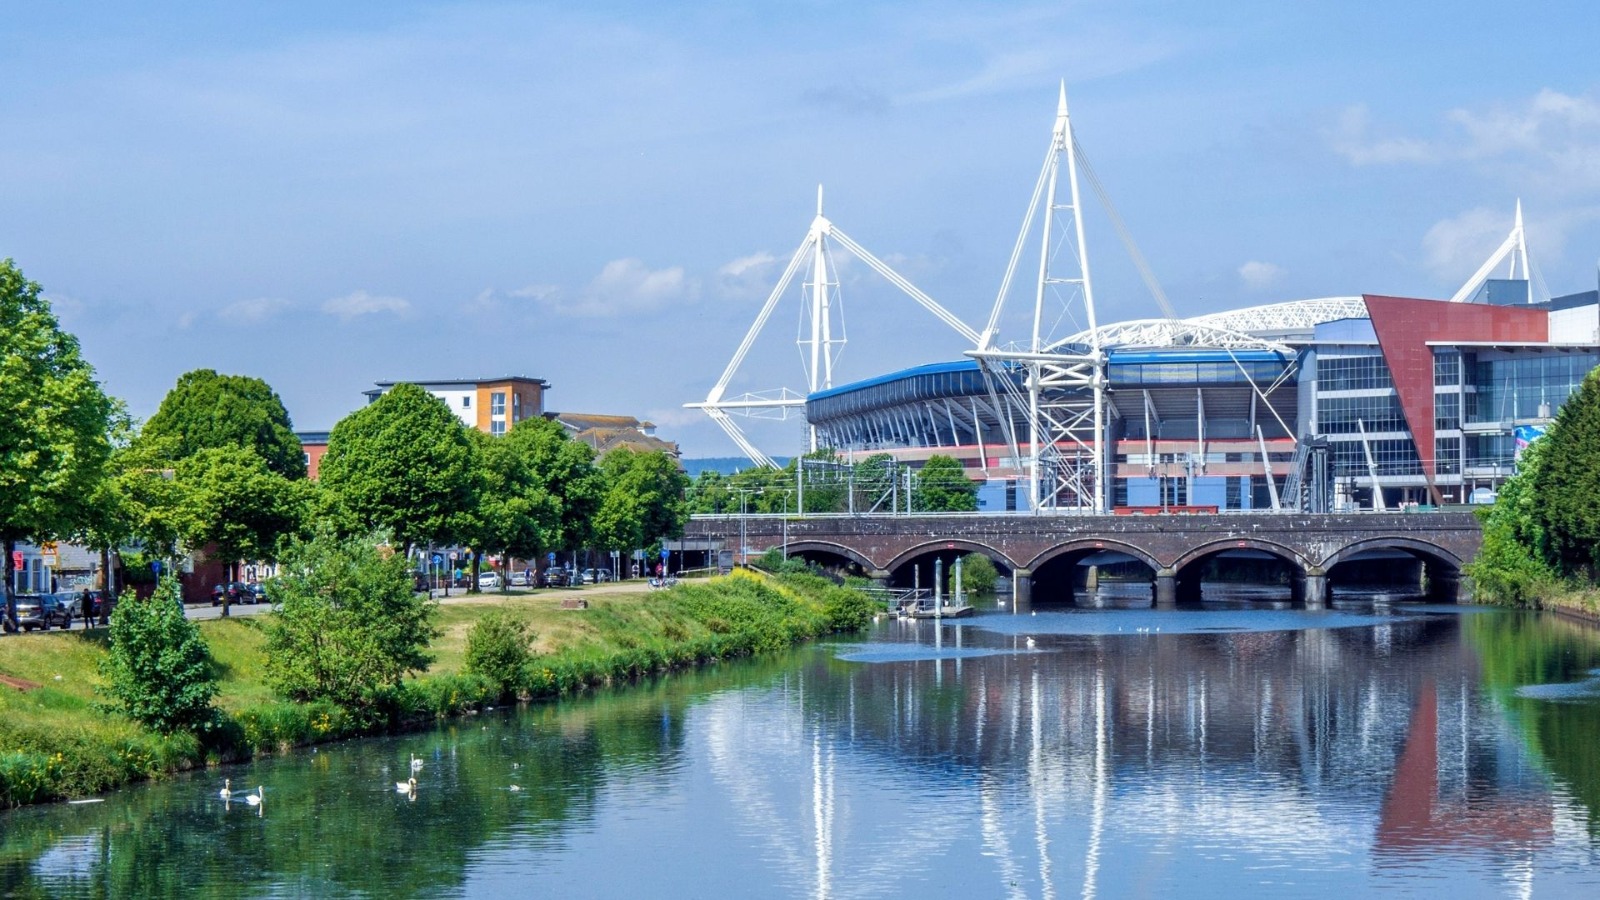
point(1355, 373)
point(1348, 415)
point(1391, 456)
point(1446, 368)
point(1447, 412)
point(1516, 387)
point(1447, 455)
point(1224, 372)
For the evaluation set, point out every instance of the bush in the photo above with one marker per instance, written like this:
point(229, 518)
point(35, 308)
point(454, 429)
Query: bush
point(978, 574)
point(847, 609)
point(497, 651)
point(349, 629)
point(158, 669)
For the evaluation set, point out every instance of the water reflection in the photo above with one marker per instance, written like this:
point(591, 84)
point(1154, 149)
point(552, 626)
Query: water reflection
point(1277, 751)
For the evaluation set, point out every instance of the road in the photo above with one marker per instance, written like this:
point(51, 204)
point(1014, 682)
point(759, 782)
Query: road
point(457, 595)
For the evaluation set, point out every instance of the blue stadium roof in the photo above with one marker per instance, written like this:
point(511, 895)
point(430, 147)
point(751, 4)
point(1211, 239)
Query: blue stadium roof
point(963, 365)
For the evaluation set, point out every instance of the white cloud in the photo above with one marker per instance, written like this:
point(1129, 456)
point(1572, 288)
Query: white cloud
point(1258, 275)
point(361, 303)
point(259, 309)
point(1553, 138)
point(1454, 248)
point(1350, 138)
point(747, 276)
point(624, 286)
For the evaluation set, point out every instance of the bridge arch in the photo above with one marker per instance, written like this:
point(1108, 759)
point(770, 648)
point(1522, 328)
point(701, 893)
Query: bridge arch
point(810, 549)
point(952, 545)
point(1434, 571)
point(1252, 561)
point(1101, 572)
point(1211, 548)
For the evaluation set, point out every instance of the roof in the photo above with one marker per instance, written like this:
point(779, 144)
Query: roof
point(460, 382)
point(939, 368)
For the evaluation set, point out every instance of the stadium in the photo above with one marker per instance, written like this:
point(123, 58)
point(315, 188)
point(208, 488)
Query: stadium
point(1321, 405)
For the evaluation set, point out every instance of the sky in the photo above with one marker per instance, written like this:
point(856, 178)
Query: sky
point(602, 195)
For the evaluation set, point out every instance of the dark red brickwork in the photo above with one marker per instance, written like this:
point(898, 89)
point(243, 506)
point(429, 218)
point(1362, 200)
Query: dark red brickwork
point(1405, 326)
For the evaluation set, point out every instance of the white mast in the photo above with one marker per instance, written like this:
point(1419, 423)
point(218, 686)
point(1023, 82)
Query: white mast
point(1065, 379)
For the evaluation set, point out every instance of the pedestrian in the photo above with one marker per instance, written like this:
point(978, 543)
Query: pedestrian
point(86, 608)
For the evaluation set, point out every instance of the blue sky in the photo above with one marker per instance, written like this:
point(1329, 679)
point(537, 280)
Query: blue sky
point(601, 195)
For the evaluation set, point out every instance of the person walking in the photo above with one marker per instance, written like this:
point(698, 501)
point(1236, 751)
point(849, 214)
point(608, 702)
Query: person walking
point(86, 608)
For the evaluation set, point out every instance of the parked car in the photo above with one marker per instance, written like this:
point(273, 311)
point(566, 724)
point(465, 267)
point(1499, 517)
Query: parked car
point(42, 611)
point(488, 581)
point(74, 603)
point(588, 577)
point(237, 591)
point(601, 576)
point(555, 578)
point(520, 579)
point(258, 592)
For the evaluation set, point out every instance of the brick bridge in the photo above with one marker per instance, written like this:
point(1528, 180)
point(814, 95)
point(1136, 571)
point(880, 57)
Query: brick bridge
point(1173, 546)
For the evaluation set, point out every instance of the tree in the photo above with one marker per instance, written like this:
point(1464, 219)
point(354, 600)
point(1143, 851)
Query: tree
point(644, 499)
point(348, 627)
point(710, 494)
point(565, 469)
point(233, 501)
point(498, 651)
point(942, 485)
point(978, 574)
point(873, 481)
point(205, 410)
point(516, 515)
point(404, 464)
point(54, 423)
point(158, 669)
point(1566, 486)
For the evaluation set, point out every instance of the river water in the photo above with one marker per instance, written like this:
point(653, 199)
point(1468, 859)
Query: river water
point(1231, 751)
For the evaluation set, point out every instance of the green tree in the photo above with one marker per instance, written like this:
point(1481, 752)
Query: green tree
point(54, 423)
point(1566, 485)
point(205, 410)
point(644, 500)
point(978, 574)
point(1512, 566)
point(404, 464)
point(516, 515)
point(234, 502)
point(565, 469)
point(827, 483)
point(158, 670)
point(348, 627)
point(942, 485)
point(498, 651)
point(710, 494)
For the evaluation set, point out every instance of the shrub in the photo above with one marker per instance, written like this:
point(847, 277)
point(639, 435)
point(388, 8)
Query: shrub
point(158, 670)
point(349, 629)
point(978, 574)
point(497, 651)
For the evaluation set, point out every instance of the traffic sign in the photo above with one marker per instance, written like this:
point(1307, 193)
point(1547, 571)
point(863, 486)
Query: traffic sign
point(155, 566)
point(47, 552)
point(550, 557)
point(452, 556)
point(438, 559)
point(664, 552)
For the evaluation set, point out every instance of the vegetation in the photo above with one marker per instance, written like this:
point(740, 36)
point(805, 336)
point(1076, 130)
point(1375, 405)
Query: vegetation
point(208, 411)
point(978, 574)
point(498, 651)
point(405, 465)
point(55, 423)
point(1542, 535)
point(158, 670)
point(348, 627)
point(943, 486)
point(55, 743)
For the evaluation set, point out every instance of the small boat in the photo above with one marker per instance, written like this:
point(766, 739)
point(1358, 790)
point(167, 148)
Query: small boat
point(947, 611)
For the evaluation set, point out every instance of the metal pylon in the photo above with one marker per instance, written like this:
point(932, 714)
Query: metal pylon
point(1065, 385)
point(820, 341)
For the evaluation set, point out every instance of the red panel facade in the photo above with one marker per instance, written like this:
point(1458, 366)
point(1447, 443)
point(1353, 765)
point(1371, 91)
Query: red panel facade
point(1404, 328)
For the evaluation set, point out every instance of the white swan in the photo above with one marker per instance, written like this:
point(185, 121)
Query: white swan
point(416, 763)
point(227, 789)
point(1030, 643)
point(409, 786)
point(256, 798)
point(514, 788)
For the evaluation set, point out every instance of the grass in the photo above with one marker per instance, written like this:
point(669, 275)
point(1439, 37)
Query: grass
point(57, 740)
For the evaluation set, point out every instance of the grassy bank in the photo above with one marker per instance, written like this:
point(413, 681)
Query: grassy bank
point(57, 741)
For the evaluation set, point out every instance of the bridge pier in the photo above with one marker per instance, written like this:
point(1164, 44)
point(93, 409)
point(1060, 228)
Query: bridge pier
point(880, 578)
point(1449, 587)
point(1166, 589)
point(1311, 588)
point(1021, 587)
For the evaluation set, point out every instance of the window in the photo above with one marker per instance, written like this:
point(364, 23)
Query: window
point(1355, 373)
point(497, 404)
point(1233, 492)
point(497, 427)
point(1447, 412)
point(1447, 455)
point(1446, 369)
point(466, 401)
point(1349, 415)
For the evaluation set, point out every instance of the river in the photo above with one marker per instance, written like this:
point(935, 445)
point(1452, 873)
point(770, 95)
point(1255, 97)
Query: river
point(1232, 751)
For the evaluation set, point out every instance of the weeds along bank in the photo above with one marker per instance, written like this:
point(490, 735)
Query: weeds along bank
point(61, 738)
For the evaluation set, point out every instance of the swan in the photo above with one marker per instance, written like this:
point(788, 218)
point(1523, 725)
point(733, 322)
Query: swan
point(416, 763)
point(1030, 643)
point(409, 786)
point(227, 789)
point(256, 798)
point(514, 788)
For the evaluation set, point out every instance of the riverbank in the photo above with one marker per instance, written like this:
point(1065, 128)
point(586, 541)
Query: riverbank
point(58, 742)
